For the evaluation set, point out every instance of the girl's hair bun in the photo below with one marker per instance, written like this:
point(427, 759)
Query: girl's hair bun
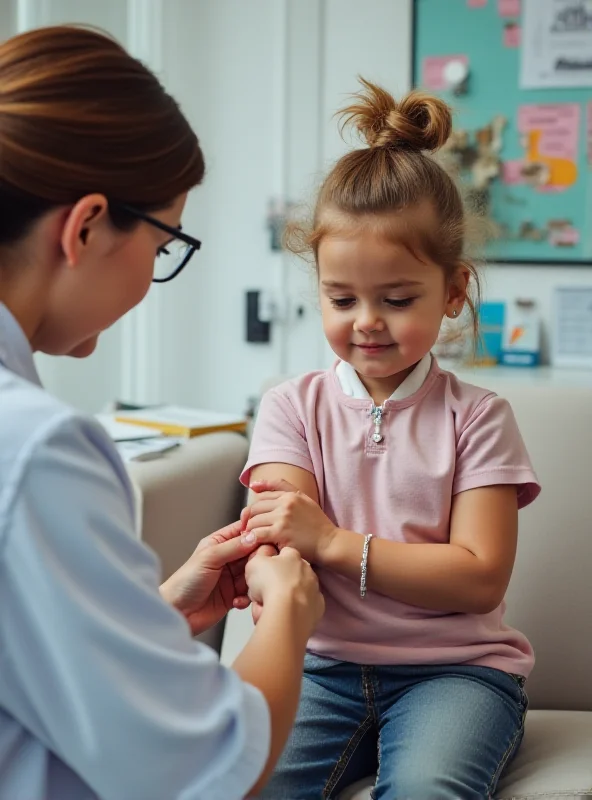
point(418, 122)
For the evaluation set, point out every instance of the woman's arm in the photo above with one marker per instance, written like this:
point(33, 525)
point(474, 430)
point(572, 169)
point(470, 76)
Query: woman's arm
point(94, 649)
point(279, 679)
point(291, 603)
point(470, 574)
point(205, 588)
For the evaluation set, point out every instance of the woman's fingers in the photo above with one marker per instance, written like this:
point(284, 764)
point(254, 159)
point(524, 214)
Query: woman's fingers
point(292, 553)
point(265, 551)
point(219, 555)
point(227, 533)
point(240, 584)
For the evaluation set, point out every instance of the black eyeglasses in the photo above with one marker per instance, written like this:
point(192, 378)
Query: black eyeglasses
point(172, 257)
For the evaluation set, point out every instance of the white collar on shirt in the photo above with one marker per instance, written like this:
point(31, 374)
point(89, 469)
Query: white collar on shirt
point(353, 387)
point(15, 350)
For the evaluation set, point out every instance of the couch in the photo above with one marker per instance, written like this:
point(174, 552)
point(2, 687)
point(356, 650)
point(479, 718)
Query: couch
point(550, 596)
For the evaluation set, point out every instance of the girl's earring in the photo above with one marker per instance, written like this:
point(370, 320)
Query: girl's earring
point(455, 313)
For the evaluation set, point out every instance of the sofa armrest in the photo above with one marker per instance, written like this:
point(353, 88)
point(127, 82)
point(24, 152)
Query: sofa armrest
point(187, 494)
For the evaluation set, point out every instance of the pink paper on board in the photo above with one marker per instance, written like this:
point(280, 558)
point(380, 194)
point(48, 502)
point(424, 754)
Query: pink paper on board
point(476, 3)
point(433, 71)
point(559, 126)
point(511, 173)
point(566, 237)
point(512, 35)
point(508, 8)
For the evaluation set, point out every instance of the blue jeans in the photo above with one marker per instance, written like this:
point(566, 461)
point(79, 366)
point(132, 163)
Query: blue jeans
point(430, 732)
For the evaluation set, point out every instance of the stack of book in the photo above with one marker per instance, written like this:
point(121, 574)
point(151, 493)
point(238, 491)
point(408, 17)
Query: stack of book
point(146, 433)
point(178, 421)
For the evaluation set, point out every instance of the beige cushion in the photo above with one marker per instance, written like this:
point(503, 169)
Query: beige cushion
point(189, 493)
point(550, 595)
point(555, 761)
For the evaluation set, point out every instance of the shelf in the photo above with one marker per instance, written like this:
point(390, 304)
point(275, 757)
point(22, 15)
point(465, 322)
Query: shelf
point(531, 376)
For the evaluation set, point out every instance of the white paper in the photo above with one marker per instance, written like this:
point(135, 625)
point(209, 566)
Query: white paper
point(147, 449)
point(556, 44)
point(572, 329)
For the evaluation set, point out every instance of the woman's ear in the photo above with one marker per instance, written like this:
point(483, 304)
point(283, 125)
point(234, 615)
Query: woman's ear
point(81, 227)
point(457, 291)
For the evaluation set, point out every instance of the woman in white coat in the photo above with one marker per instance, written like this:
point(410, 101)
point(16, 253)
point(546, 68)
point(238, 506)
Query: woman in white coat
point(103, 691)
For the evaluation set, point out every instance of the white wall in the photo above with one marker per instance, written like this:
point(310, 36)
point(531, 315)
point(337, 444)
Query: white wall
point(7, 18)
point(264, 81)
point(242, 56)
point(90, 383)
point(226, 83)
point(260, 81)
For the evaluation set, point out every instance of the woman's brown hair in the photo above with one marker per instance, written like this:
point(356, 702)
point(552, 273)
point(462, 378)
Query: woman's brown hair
point(396, 172)
point(79, 115)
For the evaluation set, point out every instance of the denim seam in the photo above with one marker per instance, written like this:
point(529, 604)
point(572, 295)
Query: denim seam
point(373, 691)
point(345, 757)
point(356, 738)
point(511, 746)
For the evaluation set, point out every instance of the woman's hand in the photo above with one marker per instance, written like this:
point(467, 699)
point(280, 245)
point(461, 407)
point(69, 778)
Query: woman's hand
point(212, 581)
point(264, 551)
point(286, 578)
point(285, 517)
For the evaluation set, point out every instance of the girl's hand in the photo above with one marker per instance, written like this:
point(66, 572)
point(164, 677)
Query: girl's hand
point(212, 581)
point(288, 518)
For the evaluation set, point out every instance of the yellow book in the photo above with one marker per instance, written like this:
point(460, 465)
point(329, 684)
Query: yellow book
point(188, 422)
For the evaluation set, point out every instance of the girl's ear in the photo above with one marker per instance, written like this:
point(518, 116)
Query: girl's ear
point(457, 291)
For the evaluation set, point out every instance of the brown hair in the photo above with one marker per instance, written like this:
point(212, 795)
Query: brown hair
point(79, 115)
point(396, 172)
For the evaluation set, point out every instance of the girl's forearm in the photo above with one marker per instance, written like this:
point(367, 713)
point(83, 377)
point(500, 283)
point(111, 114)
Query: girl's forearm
point(442, 577)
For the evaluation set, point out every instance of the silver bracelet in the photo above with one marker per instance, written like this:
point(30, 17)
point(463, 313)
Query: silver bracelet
point(364, 564)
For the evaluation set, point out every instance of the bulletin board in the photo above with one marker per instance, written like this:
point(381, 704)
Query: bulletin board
point(524, 155)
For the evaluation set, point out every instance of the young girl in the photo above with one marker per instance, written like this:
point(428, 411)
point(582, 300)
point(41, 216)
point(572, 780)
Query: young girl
point(402, 486)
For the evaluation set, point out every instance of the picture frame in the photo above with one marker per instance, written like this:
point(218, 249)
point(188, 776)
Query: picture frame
point(571, 329)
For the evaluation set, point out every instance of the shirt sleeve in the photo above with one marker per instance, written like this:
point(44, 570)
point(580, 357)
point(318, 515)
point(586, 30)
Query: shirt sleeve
point(490, 451)
point(279, 436)
point(95, 664)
